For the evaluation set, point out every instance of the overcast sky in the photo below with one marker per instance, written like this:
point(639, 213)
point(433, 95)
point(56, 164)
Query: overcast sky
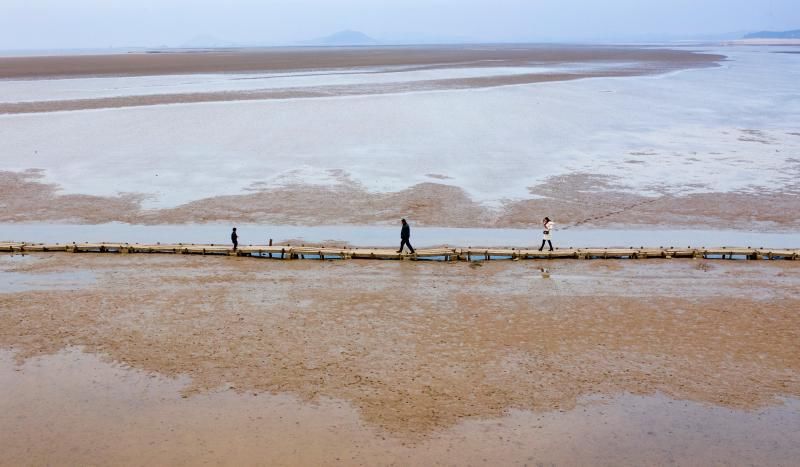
point(33, 24)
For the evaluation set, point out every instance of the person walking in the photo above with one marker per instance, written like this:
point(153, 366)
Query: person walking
point(547, 233)
point(235, 239)
point(405, 235)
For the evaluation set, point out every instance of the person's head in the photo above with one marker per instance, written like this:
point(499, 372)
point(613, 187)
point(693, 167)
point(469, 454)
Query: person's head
point(234, 229)
point(403, 221)
point(546, 220)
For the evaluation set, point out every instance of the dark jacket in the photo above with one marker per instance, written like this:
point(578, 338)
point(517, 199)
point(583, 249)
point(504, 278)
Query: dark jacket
point(405, 232)
point(234, 237)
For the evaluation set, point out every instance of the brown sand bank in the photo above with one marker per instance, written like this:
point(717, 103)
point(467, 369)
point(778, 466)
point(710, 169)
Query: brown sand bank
point(308, 92)
point(615, 62)
point(575, 200)
point(311, 58)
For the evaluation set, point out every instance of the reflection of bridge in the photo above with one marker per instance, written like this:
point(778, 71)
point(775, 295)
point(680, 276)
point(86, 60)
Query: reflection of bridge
point(442, 254)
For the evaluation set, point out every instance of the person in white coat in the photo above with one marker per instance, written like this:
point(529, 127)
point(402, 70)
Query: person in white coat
point(547, 235)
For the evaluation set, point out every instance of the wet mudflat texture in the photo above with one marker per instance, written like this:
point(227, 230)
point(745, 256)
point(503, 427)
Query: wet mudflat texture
point(612, 62)
point(579, 199)
point(658, 137)
point(190, 359)
point(327, 58)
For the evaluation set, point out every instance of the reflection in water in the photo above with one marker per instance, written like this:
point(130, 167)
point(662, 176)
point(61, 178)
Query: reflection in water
point(74, 408)
point(19, 282)
point(428, 355)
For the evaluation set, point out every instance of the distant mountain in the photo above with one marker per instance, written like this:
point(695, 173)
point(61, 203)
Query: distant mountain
point(774, 35)
point(346, 37)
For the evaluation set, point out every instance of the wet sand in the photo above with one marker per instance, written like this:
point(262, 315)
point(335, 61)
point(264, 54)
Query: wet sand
point(185, 360)
point(609, 363)
point(312, 92)
point(593, 61)
point(576, 200)
point(314, 58)
point(98, 412)
point(671, 151)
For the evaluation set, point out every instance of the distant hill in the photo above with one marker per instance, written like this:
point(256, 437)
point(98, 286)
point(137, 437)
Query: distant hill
point(774, 35)
point(346, 37)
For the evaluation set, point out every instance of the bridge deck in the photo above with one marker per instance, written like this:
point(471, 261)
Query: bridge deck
point(444, 253)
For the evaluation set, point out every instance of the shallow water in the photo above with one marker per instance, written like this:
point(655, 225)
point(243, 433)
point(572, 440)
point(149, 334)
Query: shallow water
point(87, 88)
point(20, 282)
point(73, 408)
point(678, 133)
point(293, 362)
point(388, 236)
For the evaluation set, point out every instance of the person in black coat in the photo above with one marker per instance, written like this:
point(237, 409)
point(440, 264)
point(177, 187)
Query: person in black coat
point(405, 235)
point(234, 239)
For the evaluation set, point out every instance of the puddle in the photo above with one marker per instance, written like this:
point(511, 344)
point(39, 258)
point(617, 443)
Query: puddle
point(24, 282)
point(389, 235)
point(73, 408)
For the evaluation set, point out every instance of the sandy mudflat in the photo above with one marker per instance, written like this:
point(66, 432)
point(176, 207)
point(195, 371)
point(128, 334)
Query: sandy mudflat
point(165, 360)
point(311, 92)
point(610, 363)
point(302, 58)
point(673, 149)
point(576, 200)
point(587, 62)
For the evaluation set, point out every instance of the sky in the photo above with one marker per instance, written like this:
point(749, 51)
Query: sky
point(60, 24)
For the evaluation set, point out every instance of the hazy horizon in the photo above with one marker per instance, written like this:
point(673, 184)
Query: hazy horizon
point(89, 24)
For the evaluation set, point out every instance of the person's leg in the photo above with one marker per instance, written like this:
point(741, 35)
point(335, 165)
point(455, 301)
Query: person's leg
point(410, 247)
point(542, 247)
point(402, 242)
point(551, 245)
